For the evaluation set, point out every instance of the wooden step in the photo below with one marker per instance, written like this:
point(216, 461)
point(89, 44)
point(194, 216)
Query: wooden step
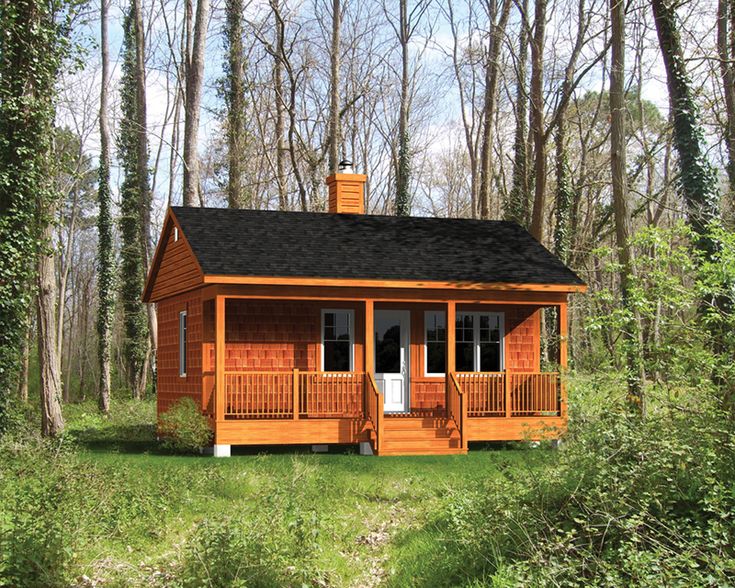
point(428, 434)
point(413, 423)
point(389, 442)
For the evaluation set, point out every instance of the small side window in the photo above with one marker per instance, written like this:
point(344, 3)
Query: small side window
point(176, 234)
point(182, 344)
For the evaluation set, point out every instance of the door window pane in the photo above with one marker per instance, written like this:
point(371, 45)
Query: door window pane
point(489, 357)
point(436, 340)
point(337, 341)
point(387, 345)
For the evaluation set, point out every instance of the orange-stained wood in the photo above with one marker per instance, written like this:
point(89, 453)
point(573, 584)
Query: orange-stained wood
point(515, 429)
point(451, 342)
point(346, 193)
point(327, 293)
point(563, 355)
point(174, 268)
point(383, 284)
point(219, 358)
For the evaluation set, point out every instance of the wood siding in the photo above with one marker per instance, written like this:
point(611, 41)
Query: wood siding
point(263, 335)
point(171, 386)
point(175, 269)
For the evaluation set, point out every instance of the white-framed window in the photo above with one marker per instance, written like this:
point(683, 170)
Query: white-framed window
point(176, 234)
point(338, 339)
point(182, 344)
point(435, 342)
point(479, 344)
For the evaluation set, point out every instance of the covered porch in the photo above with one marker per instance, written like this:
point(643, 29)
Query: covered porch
point(274, 369)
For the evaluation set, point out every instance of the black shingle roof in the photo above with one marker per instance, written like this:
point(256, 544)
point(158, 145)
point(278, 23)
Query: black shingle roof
point(298, 244)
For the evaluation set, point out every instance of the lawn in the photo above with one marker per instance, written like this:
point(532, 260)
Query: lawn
point(129, 514)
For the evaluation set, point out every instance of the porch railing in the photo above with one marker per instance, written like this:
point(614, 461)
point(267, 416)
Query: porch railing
point(535, 394)
point(293, 394)
point(485, 392)
point(494, 394)
point(331, 395)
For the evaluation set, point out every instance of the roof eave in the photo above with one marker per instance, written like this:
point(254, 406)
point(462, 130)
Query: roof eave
point(373, 283)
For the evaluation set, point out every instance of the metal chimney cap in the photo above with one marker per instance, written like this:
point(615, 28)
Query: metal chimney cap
point(345, 166)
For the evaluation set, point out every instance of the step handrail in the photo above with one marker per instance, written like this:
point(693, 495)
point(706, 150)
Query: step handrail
point(457, 408)
point(375, 410)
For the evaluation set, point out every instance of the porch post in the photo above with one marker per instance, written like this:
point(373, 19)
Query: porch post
point(451, 347)
point(219, 359)
point(369, 336)
point(563, 356)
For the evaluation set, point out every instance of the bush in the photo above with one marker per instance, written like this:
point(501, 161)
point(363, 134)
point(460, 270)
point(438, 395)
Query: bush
point(184, 428)
point(629, 503)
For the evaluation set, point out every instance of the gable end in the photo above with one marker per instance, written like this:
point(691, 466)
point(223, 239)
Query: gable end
point(175, 268)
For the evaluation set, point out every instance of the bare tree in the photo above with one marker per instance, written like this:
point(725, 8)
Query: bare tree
point(192, 105)
point(334, 114)
point(726, 53)
point(537, 119)
point(492, 65)
point(631, 332)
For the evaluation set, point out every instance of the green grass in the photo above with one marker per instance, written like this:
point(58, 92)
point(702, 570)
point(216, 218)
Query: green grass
point(133, 509)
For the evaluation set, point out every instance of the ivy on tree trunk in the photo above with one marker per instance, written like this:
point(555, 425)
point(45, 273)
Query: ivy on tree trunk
point(136, 348)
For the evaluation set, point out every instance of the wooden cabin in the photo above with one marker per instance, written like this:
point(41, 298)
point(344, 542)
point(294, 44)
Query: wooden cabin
point(331, 328)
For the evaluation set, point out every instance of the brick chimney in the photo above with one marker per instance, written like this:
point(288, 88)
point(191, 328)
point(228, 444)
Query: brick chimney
point(346, 190)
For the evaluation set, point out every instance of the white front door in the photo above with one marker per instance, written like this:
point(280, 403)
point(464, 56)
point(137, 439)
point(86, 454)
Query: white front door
point(391, 357)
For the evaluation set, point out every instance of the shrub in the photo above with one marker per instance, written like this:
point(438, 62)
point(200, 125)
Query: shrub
point(184, 428)
point(629, 503)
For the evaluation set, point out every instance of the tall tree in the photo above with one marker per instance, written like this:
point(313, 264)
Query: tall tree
point(517, 207)
point(137, 346)
point(726, 53)
point(280, 100)
point(105, 254)
point(698, 180)
point(497, 25)
point(408, 21)
point(334, 126)
point(33, 43)
point(192, 107)
point(537, 119)
point(631, 331)
point(234, 95)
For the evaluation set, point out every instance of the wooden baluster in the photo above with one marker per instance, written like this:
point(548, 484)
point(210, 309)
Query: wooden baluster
point(295, 401)
point(508, 399)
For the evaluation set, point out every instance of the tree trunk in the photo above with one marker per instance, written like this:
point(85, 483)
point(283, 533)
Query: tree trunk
point(52, 421)
point(105, 253)
point(194, 79)
point(698, 179)
point(403, 163)
point(631, 328)
point(517, 209)
point(726, 53)
point(334, 123)
point(280, 102)
point(497, 33)
point(235, 101)
point(537, 120)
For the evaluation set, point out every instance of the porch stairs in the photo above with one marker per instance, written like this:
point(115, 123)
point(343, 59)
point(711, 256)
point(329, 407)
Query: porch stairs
point(407, 435)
